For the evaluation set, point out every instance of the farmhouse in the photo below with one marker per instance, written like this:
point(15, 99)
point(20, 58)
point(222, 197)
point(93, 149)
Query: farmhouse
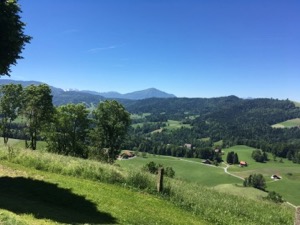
point(126, 155)
point(243, 163)
point(276, 177)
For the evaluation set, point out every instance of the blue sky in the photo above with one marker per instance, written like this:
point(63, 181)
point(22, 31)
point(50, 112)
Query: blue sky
point(191, 48)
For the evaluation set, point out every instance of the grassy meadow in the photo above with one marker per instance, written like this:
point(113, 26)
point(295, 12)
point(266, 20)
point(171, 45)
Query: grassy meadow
point(190, 170)
point(55, 189)
point(288, 124)
point(175, 124)
point(288, 186)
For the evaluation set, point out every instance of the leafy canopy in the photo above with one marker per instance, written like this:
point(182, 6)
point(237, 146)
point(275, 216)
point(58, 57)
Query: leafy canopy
point(12, 37)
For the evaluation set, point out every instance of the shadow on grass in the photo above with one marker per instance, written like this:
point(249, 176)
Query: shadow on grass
point(48, 201)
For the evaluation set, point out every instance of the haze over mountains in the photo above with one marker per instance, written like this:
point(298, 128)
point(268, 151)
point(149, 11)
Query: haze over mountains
point(136, 95)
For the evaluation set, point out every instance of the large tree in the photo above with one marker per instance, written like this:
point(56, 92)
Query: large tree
point(10, 105)
point(12, 37)
point(38, 110)
point(111, 124)
point(68, 132)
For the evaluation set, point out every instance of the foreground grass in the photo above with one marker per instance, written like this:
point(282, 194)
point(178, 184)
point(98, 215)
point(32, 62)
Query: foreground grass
point(92, 182)
point(36, 197)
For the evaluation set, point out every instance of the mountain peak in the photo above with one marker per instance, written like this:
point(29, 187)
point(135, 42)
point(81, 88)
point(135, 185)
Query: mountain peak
point(148, 93)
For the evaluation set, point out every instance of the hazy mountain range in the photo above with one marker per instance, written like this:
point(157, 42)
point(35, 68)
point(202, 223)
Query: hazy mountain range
point(81, 95)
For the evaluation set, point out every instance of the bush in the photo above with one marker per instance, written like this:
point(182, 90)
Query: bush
point(152, 167)
point(275, 197)
point(256, 181)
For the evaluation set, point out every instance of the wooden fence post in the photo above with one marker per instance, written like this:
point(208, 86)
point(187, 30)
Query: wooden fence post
point(160, 179)
point(297, 216)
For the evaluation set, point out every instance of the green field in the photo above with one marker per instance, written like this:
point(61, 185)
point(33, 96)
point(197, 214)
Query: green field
point(288, 123)
point(174, 124)
point(297, 104)
point(288, 186)
point(139, 116)
point(191, 170)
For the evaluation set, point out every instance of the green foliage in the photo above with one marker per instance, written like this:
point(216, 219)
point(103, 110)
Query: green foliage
point(111, 124)
point(69, 131)
point(169, 172)
point(259, 156)
point(256, 181)
point(232, 158)
point(152, 167)
point(10, 107)
point(38, 111)
point(12, 37)
point(274, 197)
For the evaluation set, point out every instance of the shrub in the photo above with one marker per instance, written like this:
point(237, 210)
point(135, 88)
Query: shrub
point(274, 197)
point(152, 167)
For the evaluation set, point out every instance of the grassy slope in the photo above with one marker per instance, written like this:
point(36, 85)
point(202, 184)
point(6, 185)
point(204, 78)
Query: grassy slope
point(297, 104)
point(288, 187)
point(216, 207)
point(54, 199)
point(288, 124)
point(174, 124)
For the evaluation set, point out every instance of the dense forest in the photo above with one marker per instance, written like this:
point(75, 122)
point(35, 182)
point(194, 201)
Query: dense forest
point(230, 119)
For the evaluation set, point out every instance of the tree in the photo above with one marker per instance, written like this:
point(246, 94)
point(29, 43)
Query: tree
point(236, 159)
point(37, 110)
point(10, 105)
point(256, 181)
point(111, 124)
point(259, 156)
point(69, 130)
point(12, 37)
point(230, 157)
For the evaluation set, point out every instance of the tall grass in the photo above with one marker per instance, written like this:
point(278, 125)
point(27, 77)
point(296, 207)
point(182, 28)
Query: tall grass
point(211, 205)
point(64, 165)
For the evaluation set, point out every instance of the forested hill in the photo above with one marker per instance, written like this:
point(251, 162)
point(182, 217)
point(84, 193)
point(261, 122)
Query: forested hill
point(230, 111)
point(181, 105)
point(231, 119)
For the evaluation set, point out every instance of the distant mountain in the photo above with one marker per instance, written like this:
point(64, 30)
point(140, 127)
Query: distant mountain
point(148, 93)
point(76, 97)
point(136, 95)
point(55, 90)
point(61, 97)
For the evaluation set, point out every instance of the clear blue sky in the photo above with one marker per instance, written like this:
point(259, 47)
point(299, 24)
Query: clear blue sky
point(191, 48)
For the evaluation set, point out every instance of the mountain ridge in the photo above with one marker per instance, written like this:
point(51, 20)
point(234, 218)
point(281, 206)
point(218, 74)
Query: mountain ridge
point(136, 95)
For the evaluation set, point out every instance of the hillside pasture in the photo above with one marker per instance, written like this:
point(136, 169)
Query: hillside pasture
point(175, 124)
point(191, 170)
point(120, 202)
point(297, 104)
point(288, 186)
point(288, 123)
